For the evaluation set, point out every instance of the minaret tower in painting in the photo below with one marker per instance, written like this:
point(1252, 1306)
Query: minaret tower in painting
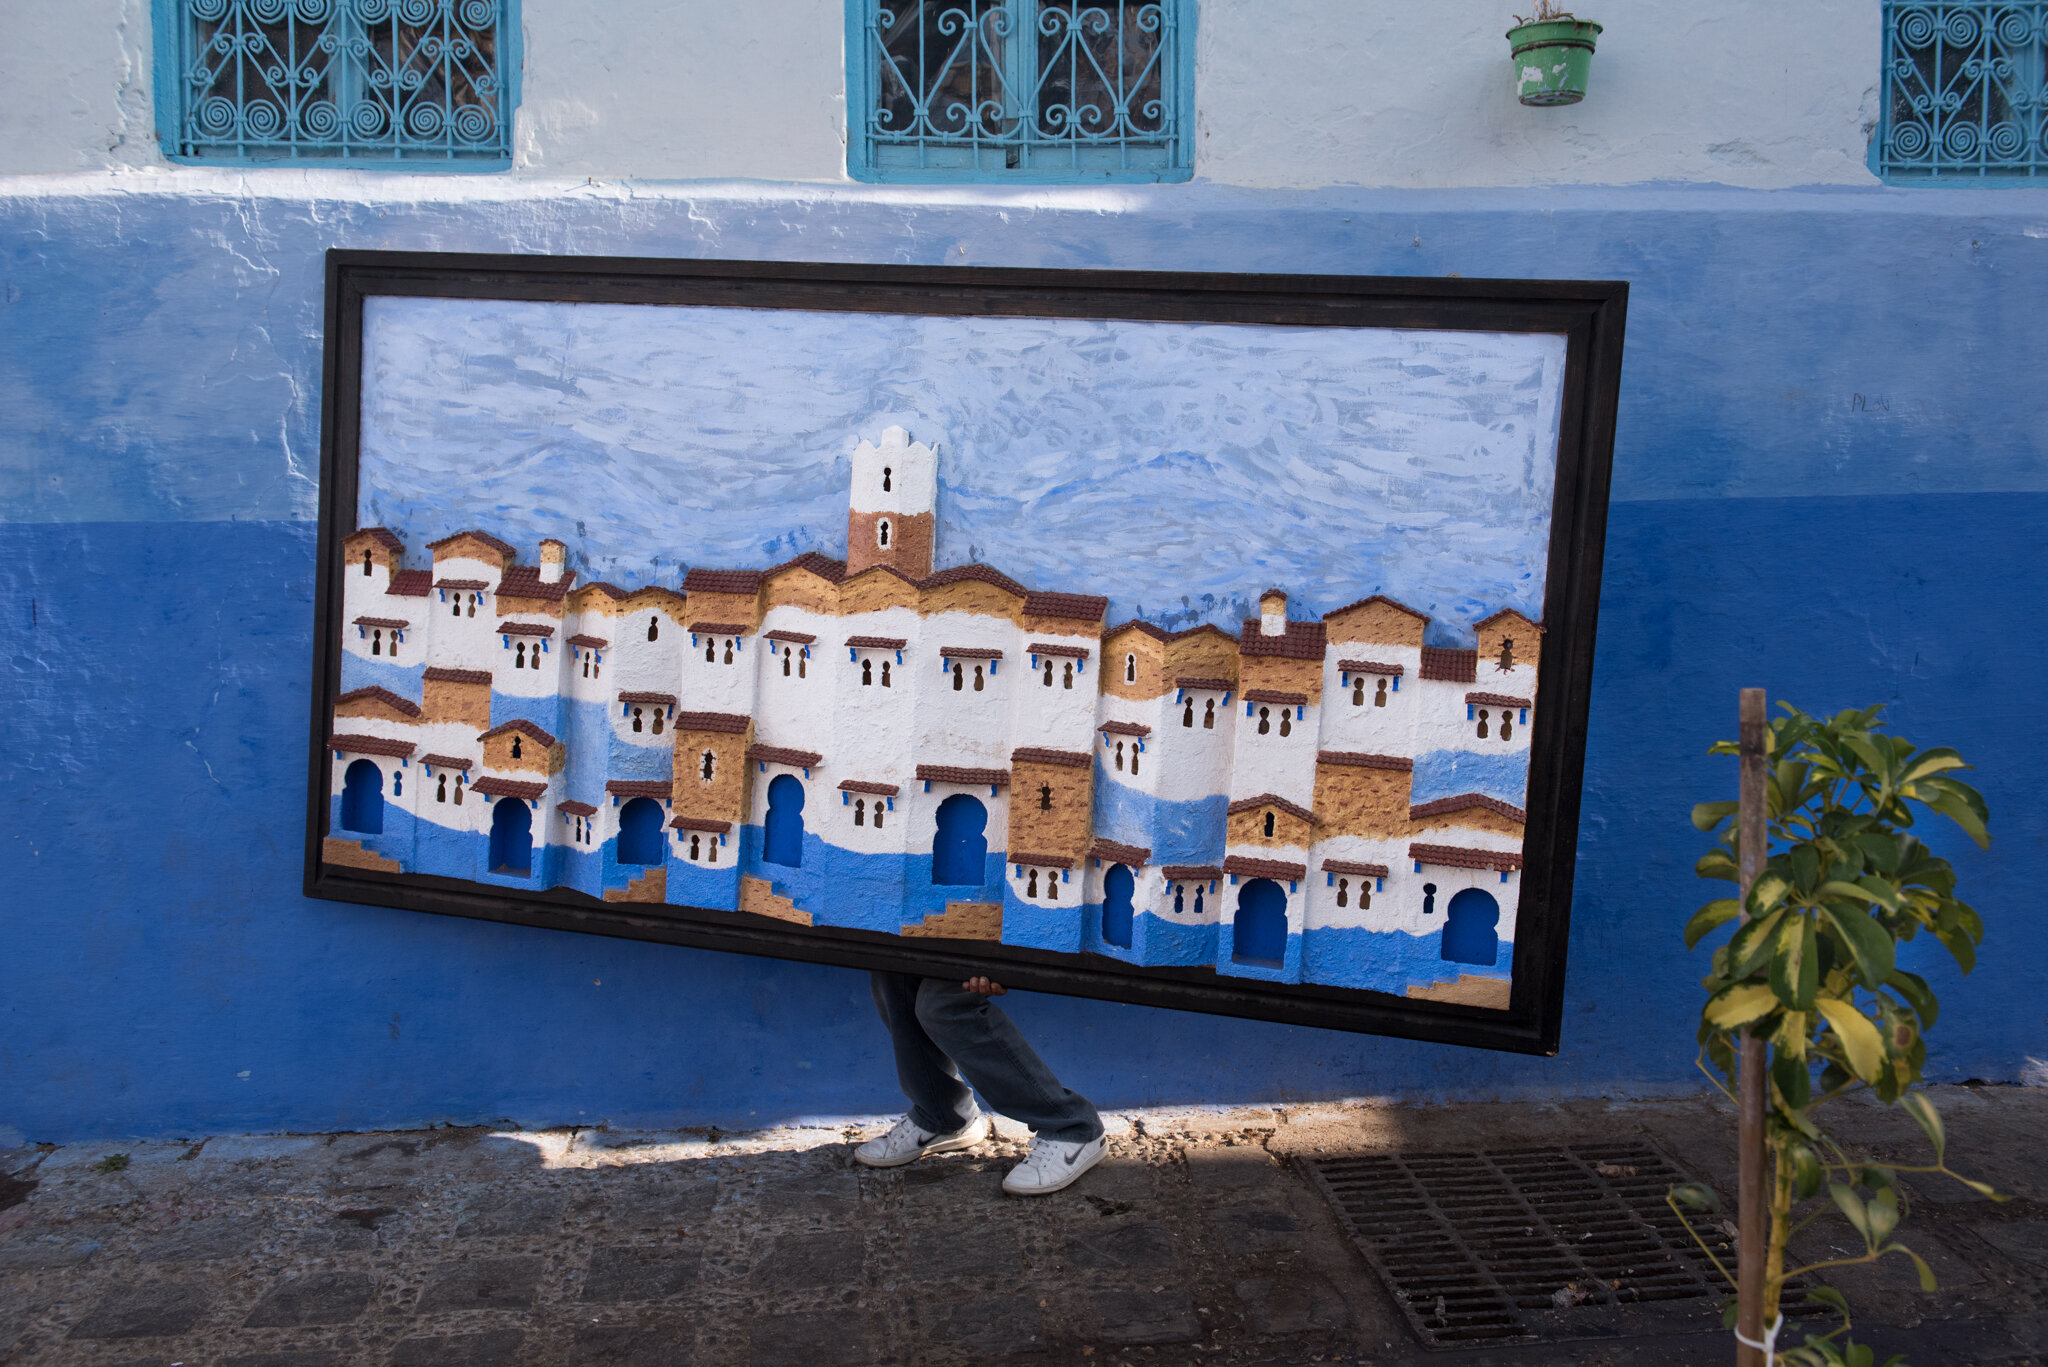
point(889, 516)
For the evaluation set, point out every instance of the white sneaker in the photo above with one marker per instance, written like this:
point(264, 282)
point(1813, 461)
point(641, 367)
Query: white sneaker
point(1052, 1166)
point(907, 1141)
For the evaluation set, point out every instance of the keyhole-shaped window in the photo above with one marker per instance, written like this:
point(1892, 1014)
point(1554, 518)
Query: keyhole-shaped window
point(1198, 901)
point(1048, 673)
point(515, 747)
point(959, 678)
point(1379, 698)
point(867, 673)
point(728, 652)
point(1507, 653)
point(710, 651)
point(1265, 720)
point(398, 783)
point(636, 719)
point(1343, 892)
point(786, 654)
point(1119, 756)
point(886, 473)
point(800, 661)
point(711, 849)
point(1180, 899)
point(1031, 883)
point(366, 564)
point(882, 533)
point(1069, 676)
point(707, 766)
point(376, 643)
point(977, 678)
point(455, 608)
point(1052, 885)
point(1209, 715)
point(1135, 750)
point(654, 628)
point(1364, 894)
point(472, 605)
point(885, 675)
point(1358, 691)
point(1045, 797)
point(1130, 669)
point(1482, 723)
point(519, 654)
point(1507, 725)
point(860, 811)
point(534, 658)
point(695, 849)
point(656, 728)
point(459, 778)
point(441, 789)
point(586, 664)
point(1187, 716)
point(1429, 899)
point(1286, 725)
point(1269, 825)
point(879, 806)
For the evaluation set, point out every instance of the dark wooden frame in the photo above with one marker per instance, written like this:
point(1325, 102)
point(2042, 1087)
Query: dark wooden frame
point(1589, 314)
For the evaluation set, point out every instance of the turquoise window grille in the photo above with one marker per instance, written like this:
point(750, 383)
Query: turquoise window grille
point(1965, 96)
point(1060, 91)
point(418, 84)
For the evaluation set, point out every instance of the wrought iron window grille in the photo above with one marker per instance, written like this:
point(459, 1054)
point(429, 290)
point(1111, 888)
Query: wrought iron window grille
point(1064, 91)
point(1965, 92)
point(418, 84)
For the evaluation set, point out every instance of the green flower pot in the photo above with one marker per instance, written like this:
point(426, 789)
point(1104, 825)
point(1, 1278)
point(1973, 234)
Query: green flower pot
point(1552, 59)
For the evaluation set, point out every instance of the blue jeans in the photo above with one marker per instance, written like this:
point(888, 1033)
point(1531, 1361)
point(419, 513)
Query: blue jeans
point(942, 1031)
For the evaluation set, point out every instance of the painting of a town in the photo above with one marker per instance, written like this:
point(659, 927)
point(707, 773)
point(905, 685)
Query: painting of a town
point(1172, 645)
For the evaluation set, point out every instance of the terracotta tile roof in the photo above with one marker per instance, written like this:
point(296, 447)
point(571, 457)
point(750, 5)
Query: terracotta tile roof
point(1449, 665)
point(462, 676)
point(383, 695)
point(733, 722)
point(985, 573)
point(462, 583)
point(1356, 869)
point(589, 642)
point(395, 623)
point(411, 584)
point(1048, 648)
point(524, 629)
point(523, 727)
point(446, 762)
point(1077, 607)
point(1509, 612)
point(793, 637)
point(1463, 802)
point(500, 547)
point(1399, 763)
point(507, 787)
point(1032, 754)
point(779, 754)
point(699, 823)
point(1124, 728)
point(1131, 856)
point(875, 643)
point(823, 566)
point(371, 745)
point(1302, 641)
point(1252, 804)
point(1201, 684)
point(574, 808)
point(524, 581)
point(1264, 868)
point(1274, 695)
point(383, 536)
point(1157, 633)
point(1378, 598)
point(1454, 857)
point(721, 581)
point(722, 628)
point(1192, 873)
point(639, 787)
point(856, 785)
point(1371, 667)
point(659, 699)
point(1281, 594)
point(970, 652)
point(1497, 700)
point(599, 586)
point(1183, 634)
point(953, 773)
point(1043, 861)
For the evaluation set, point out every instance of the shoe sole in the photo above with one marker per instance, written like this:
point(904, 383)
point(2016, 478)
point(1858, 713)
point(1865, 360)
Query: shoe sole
point(1079, 1170)
point(949, 1144)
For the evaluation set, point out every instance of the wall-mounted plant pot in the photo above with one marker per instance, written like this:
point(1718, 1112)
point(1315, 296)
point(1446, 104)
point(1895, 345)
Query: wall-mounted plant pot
point(1552, 59)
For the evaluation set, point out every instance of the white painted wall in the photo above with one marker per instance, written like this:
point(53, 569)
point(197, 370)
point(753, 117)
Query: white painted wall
point(1290, 93)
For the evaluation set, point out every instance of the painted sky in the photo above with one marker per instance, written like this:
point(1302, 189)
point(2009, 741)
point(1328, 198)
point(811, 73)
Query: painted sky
point(1178, 468)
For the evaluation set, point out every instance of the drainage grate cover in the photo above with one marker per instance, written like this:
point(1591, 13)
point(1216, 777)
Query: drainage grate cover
point(1522, 1243)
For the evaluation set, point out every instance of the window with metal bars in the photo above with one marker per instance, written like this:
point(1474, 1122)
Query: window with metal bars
point(417, 84)
point(1965, 96)
point(1020, 90)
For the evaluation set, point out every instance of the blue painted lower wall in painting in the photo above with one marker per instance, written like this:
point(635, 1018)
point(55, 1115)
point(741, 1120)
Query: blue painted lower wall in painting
point(1830, 479)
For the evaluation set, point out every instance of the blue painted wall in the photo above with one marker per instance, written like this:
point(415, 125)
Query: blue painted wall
point(1830, 480)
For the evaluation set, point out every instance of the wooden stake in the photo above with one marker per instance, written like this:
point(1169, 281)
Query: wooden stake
point(1753, 1173)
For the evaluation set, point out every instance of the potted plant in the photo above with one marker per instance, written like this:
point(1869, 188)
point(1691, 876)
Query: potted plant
point(1553, 54)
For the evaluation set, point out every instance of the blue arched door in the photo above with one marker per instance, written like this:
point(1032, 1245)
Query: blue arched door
point(640, 839)
point(960, 845)
point(783, 839)
point(1117, 886)
point(1471, 928)
point(362, 798)
point(1259, 932)
point(511, 837)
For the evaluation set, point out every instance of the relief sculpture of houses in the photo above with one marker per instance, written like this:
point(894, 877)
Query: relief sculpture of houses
point(878, 744)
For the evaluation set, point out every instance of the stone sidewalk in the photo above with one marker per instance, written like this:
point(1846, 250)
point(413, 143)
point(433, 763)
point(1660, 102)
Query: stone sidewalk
point(1200, 1241)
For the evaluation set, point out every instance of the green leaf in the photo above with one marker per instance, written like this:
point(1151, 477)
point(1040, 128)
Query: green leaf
point(1707, 815)
point(1713, 914)
point(1883, 1213)
point(1959, 810)
point(1921, 1108)
point(1851, 892)
point(1748, 946)
point(1827, 1295)
point(1698, 1195)
point(1918, 995)
point(1795, 963)
point(1927, 1282)
point(1939, 760)
point(1742, 1003)
point(1767, 892)
point(1861, 1043)
point(1716, 864)
point(1879, 891)
point(1805, 860)
point(1852, 1208)
point(1870, 942)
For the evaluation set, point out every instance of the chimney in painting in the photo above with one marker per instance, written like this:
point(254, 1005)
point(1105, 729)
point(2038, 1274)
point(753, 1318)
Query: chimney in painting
point(552, 555)
point(889, 514)
point(1272, 613)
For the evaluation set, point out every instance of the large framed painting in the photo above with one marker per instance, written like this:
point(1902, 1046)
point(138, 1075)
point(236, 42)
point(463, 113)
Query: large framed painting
point(1220, 642)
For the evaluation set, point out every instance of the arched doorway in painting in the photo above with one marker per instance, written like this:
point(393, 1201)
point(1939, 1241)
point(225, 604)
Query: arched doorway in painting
point(640, 839)
point(362, 798)
point(1471, 928)
point(1117, 886)
point(960, 845)
point(1259, 932)
point(782, 840)
point(511, 837)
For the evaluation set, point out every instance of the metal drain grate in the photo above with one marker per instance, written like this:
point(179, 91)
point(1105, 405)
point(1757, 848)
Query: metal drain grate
point(1518, 1243)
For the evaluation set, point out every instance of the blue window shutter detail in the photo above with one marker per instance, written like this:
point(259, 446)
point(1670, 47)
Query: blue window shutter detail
point(1959, 100)
point(1024, 62)
point(432, 95)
